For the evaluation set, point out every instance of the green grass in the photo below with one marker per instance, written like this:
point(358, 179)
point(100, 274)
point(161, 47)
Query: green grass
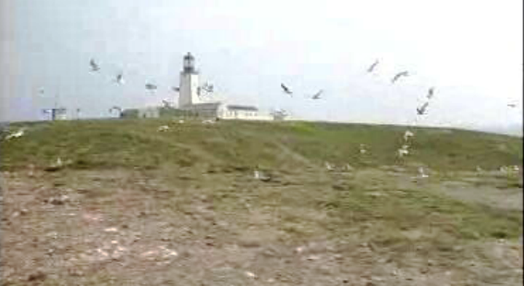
point(287, 146)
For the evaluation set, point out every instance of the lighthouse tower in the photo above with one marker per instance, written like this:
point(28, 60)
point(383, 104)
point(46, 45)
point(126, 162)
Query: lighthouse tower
point(188, 83)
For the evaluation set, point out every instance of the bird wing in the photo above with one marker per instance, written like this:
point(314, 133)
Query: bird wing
point(372, 67)
point(285, 88)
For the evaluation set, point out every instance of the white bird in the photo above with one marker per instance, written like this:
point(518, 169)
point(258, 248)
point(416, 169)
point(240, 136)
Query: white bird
point(407, 135)
point(261, 176)
point(372, 67)
point(94, 65)
point(422, 110)
point(317, 95)
point(363, 149)
point(422, 173)
point(16, 134)
point(403, 151)
point(286, 89)
point(329, 167)
point(163, 128)
point(398, 75)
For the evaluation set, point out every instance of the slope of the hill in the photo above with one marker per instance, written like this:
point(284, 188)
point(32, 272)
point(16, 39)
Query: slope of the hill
point(284, 146)
point(132, 205)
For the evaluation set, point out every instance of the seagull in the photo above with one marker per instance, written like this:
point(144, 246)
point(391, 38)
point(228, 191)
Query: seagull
point(208, 87)
point(317, 95)
point(363, 149)
point(175, 89)
point(119, 78)
point(403, 151)
point(16, 134)
point(163, 128)
point(408, 134)
point(329, 167)
point(286, 89)
point(41, 91)
point(116, 108)
point(150, 86)
point(430, 92)
point(422, 110)
point(422, 173)
point(398, 75)
point(94, 65)
point(512, 105)
point(165, 102)
point(261, 176)
point(372, 67)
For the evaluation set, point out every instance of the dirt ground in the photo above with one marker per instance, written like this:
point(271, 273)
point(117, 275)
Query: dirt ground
point(129, 227)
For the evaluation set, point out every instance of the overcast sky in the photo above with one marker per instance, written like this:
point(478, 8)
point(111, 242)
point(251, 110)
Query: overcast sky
point(471, 51)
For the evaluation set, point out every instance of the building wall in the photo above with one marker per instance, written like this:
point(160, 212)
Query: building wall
point(243, 115)
point(150, 112)
point(188, 89)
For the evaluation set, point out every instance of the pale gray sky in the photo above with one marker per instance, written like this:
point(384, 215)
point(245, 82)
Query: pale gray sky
point(471, 51)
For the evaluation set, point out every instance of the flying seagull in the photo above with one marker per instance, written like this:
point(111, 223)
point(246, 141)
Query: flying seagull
point(317, 95)
point(120, 78)
point(286, 89)
point(431, 91)
point(372, 67)
point(398, 75)
point(422, 110)
point(512, 105)
point(175, 89)
point(208, 87)
point(94, 65)
point(150, 86)
point(117, 108)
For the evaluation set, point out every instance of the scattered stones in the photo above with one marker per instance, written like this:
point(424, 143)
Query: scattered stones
point(250, 274)
point(111, 229)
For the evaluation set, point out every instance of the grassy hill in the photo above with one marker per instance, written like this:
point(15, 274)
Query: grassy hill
point(191, 188)
point(283, 146)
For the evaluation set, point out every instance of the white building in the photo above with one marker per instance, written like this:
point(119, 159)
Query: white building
point(189, 98)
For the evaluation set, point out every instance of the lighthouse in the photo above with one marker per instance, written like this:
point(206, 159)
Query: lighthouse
point(189, 88)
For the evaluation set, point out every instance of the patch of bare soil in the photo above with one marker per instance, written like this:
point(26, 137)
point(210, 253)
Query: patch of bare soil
point(131, 228)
